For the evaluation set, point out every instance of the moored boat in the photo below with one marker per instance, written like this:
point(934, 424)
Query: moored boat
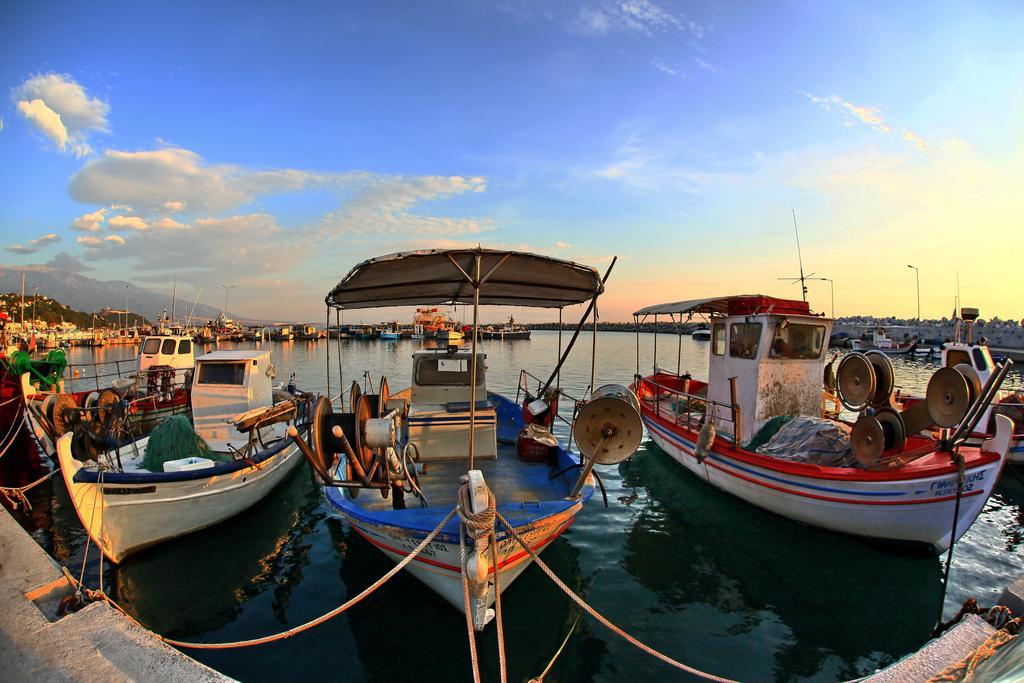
point(756, 429)
point(186, 475)
point(507, 331)
point(448, 441)
point(879, 340)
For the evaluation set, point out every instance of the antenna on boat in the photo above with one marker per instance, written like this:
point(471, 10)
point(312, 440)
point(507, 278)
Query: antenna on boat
point(800, 257)
point(803, 278)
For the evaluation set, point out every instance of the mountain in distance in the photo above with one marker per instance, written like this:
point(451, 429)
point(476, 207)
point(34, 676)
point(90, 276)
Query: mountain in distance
point(87, 294)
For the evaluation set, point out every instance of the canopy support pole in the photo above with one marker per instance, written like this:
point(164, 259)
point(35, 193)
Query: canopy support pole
point(329, 355)
point(679, 352)
point(636, 326)
point(341, 368)
point(655, 343)
point(593, 356)
point(558, 378)
point(576, 333)
point(472, 371)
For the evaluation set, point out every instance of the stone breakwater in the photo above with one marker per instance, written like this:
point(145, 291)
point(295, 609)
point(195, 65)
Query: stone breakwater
point(1000, 336)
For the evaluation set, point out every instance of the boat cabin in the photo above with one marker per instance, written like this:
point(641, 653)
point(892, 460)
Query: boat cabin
point(226, 384)
point(438, 420)
point(167, 351)
point(766, 356)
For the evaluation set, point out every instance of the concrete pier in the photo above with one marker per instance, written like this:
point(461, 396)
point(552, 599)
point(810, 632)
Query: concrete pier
point(97, 643)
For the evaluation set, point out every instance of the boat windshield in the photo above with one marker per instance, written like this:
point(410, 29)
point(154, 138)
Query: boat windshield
point(152, 345)
point(798, 341)
point(222, 373)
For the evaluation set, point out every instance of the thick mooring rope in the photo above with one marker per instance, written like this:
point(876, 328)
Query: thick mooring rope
point(15, 495)
point(597, 615)
point(311, 623)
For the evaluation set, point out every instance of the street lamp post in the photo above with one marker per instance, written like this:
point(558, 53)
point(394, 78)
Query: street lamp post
point(917, 277)
point(35, 297)
point(227, 288)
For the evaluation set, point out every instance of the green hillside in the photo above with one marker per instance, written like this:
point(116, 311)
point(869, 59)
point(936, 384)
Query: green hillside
point(52, 311)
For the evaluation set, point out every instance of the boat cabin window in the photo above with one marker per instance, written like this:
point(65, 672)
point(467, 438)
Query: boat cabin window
point(718, 339)
point(447, 371)
point(793, 340)
point(168, 347)
point(185, 346)
point(151, 346)
point(222, 373)
point(955, 357)
point(980, 361)
point(744, 339)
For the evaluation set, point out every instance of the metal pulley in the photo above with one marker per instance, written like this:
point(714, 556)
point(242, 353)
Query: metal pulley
point(855, 381)
point(948, 396)
point(608, 429)
point(885, 378)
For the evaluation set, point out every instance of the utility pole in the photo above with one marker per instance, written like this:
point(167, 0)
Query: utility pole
point(23, 303)
point(126, 307)
point(832, 292)
point(35, 297)
point(917, 275)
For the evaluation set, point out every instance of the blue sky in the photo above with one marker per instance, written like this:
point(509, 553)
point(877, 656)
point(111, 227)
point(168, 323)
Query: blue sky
point(275, 145)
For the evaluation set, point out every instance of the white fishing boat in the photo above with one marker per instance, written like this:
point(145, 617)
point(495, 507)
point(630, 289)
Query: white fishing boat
point(447, 441)
point(448, 335)
point(701, 334)
point(757, 428)
point(880, 341)
point(129, 497)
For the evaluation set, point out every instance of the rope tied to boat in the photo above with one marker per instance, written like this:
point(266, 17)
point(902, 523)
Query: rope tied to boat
point(599, 617)
point(480, 526)
point(15, 495)
point(312, 623)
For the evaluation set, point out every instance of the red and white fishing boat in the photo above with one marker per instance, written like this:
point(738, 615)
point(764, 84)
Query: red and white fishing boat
point(880, 341)
point(766, 364)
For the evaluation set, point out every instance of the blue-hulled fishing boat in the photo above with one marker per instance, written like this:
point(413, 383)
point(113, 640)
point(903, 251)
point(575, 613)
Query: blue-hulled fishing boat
point(447, 441)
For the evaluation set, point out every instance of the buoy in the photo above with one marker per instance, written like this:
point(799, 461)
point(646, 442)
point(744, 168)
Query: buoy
point(705, 439)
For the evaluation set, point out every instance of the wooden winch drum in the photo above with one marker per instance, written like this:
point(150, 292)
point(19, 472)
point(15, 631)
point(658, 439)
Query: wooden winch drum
point(609, 429)
point(855, 381)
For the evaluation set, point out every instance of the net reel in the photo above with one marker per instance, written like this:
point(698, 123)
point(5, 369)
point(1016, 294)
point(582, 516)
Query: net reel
point(607, 429)
point(865, 379)
point(950, 395)
point(367, 437)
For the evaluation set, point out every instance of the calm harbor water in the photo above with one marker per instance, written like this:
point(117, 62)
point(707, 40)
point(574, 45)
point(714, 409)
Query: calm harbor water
point(697, 574)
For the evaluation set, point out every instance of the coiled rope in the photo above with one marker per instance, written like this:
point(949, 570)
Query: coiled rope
point(597, 615)
point(311, 623)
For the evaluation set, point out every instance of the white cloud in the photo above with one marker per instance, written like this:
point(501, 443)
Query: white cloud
point(851, 114)
point(169, 179)
point(634, 16)
point(66, 262)
point(94, 244)
point(1, 123)
point(89, 222)
point(707, 66)
point(33, 245)
point(115, 239)
point(60, 109)
point(126, 223)
point(665, 68)
point(167, 224)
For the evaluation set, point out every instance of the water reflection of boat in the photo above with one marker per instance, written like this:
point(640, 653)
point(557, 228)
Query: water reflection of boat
point(717, 562)
point(207, 595)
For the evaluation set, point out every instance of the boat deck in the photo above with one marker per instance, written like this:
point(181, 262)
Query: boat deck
point(512, 481)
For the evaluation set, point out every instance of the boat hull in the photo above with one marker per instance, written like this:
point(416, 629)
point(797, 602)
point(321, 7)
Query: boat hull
point(438, 566)
point(914, 509)
point(125, 517)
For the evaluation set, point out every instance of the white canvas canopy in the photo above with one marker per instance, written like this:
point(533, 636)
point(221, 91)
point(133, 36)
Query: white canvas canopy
point(714, 305)
point(447, 276)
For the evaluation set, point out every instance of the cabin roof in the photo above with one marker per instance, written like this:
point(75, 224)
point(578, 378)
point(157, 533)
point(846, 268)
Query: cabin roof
point(235, 354)
point(439, 276)
point(736, 304)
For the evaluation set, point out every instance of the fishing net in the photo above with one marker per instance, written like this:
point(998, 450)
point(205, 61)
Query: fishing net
point(811, 440)
point(765, 433)
point(174, 439)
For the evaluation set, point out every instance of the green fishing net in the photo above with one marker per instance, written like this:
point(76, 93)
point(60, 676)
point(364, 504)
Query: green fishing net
point(174, 439)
